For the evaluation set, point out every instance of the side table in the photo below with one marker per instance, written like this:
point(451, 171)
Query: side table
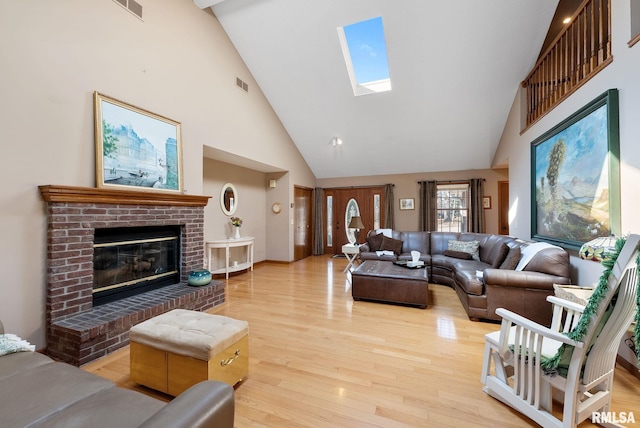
point(226, 245)
point(351, 252)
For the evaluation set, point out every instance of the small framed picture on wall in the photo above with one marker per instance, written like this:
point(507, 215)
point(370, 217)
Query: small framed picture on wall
point(407, 204)
point(486, 202)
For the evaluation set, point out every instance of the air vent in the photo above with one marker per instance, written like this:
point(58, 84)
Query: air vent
point(242, 84)
point(132, 6)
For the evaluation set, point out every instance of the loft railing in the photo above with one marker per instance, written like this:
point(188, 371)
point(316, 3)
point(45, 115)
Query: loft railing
point(577, 54)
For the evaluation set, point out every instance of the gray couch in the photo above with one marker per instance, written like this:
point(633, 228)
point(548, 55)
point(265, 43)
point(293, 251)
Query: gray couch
point(522, 291)
point(36, 391)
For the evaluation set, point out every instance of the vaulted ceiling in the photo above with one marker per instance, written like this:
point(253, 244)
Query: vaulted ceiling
point(455, 68)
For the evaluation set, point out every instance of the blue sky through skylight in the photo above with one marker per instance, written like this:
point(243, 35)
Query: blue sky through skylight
point(368, 50)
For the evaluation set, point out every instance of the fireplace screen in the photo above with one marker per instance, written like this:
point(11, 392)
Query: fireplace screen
point(127, 261)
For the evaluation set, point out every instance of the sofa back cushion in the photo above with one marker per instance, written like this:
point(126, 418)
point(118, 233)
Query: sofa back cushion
point(553, 261)
point(440, 241)
point(418, 241)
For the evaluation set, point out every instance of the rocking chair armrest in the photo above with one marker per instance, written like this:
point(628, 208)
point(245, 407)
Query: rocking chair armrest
point(565, 303)
point(536, 328)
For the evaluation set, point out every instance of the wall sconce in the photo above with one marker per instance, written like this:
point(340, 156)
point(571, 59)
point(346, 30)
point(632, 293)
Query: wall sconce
point(272, 184)
point(336, 141)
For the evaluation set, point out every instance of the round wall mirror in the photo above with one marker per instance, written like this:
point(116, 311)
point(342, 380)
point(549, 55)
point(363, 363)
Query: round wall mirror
point(229, 199)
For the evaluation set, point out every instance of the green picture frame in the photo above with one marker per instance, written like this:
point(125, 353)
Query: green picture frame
point(575, 176)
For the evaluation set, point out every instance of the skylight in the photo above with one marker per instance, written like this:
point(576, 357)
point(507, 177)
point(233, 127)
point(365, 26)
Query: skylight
point(365, 53)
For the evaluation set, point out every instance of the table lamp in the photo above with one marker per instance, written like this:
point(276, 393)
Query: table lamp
point(597, 249)
point(356, 223)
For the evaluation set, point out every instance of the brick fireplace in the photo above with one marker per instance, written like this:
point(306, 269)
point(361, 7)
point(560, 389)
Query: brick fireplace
point(78, 332)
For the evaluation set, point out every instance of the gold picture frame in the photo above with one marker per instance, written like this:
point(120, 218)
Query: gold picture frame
point(136, 148)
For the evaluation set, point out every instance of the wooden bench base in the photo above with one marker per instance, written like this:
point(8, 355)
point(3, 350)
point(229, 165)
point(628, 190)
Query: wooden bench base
point(172, 373)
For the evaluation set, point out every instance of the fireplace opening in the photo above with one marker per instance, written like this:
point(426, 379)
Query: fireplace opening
point(132, 260)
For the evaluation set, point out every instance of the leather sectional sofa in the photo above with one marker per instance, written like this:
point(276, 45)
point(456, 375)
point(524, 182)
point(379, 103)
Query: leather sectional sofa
point(491, 281)
point(37, 391)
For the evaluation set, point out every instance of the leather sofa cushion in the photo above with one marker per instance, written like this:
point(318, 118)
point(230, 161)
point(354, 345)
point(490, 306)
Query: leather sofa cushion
point(466, 278)
point(458, 254)
point(371, 255)
point(113, 407)
point(21, 361)
point(49, 389)
point(552, 261)
point(501, 256)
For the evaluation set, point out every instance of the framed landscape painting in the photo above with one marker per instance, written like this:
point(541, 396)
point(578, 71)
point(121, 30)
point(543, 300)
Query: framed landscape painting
point(575, 183)
point(135, 148)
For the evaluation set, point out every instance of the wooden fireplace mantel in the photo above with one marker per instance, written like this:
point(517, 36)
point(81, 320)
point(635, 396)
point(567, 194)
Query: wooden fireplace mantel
point(53, 193)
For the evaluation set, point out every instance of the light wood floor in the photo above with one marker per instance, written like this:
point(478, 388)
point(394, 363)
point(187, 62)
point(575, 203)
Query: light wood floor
point(317, 359)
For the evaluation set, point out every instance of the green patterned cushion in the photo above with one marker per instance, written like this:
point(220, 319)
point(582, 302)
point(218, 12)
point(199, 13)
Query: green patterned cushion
point(471, 247)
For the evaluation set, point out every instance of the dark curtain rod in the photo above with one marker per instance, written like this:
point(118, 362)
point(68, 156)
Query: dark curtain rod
point(451, 181)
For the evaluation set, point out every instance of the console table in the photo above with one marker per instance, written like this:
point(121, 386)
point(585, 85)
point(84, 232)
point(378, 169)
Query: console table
point(212, 248)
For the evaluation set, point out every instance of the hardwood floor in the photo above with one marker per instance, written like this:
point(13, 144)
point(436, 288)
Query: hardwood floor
point(317, 359)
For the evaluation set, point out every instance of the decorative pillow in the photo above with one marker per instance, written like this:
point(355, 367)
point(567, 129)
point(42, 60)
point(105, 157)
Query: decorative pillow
point(458, 254)
point(10, 343)
point(502, 254)
point(390, 244)
point(375, 241)
point(512, 259)
point(471, 247)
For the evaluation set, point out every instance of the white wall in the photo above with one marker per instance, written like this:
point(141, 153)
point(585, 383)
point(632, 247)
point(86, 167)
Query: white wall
point(514, 148)
point(177, 62)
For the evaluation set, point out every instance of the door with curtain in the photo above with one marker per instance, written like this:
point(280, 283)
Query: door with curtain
point(340, 204)
point(303, 230)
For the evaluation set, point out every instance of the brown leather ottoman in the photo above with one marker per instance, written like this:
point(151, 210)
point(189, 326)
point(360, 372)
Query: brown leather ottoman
point(384, 281)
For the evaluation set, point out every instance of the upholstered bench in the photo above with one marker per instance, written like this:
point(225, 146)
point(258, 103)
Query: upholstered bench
point(385, 282)
point(180, 348)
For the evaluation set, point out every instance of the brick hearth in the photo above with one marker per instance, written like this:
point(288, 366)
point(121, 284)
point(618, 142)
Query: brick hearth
point(76, 331)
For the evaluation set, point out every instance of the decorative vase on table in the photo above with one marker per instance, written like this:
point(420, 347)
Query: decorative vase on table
point(236, 222)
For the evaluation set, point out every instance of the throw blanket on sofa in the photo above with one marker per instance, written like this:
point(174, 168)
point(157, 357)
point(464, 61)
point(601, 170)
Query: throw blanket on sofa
point(10, 343)
point(530, 251)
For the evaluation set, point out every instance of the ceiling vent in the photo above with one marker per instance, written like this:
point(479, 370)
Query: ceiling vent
point(242, 84)
point(132, 6)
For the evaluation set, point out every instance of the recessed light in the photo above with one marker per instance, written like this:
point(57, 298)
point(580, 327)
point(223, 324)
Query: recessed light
point(336, 141)
point(566, 20)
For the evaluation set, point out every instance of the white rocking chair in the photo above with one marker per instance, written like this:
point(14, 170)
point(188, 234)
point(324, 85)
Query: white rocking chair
point(518, 378)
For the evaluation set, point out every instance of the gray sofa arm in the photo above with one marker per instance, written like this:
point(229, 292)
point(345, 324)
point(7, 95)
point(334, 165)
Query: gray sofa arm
point(522, 279)
point(207, 404)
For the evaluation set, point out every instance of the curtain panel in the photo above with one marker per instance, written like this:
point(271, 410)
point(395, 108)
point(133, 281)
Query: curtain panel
point(389, 204)
point(428, 206)
point(476, 210)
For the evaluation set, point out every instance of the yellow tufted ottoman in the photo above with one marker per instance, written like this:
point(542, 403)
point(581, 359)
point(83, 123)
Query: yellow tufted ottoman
point(180, 348)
